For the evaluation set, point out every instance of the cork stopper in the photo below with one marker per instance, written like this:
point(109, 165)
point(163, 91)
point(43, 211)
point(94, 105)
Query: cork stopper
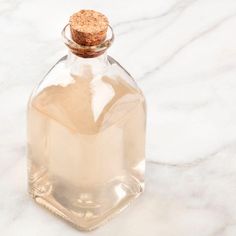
point(88, 27)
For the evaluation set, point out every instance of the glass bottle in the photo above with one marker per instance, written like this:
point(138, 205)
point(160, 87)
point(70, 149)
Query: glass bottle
point(86, 132)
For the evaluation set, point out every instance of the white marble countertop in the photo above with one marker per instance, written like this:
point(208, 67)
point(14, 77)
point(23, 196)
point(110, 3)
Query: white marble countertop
point(183, 55)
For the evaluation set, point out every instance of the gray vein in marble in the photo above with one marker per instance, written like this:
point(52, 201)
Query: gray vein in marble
point(177, 8)
point(222, 230)
point(185, 45)
point(185, 107)
point(198, 160)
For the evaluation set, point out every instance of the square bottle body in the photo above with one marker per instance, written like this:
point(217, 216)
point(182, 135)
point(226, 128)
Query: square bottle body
point(86, 142)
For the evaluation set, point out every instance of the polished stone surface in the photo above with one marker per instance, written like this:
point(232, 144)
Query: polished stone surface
point(183, 55)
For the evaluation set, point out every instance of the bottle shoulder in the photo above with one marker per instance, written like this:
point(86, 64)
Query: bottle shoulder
point(61, 73)
point(87, 103)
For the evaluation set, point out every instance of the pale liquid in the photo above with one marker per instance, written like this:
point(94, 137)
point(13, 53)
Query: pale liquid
point(86, 149)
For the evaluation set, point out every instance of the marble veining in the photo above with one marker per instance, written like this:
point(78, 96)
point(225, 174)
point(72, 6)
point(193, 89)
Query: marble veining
point(183, 55)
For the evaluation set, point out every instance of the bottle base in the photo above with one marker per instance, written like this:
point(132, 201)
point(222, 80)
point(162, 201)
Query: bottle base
point(86, 209)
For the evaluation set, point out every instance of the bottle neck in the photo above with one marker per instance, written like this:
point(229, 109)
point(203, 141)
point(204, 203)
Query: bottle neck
point(81, 56)
point(79, 65)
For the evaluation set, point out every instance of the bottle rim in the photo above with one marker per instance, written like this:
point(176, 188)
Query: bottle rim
point(84, 50)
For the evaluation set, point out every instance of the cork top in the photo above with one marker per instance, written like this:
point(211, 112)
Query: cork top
point(88, 27)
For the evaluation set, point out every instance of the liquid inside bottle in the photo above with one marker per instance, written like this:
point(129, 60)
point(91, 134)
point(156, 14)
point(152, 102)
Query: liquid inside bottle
point(86, 139)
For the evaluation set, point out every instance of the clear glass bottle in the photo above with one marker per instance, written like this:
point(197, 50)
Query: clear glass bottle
point(86, 136)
